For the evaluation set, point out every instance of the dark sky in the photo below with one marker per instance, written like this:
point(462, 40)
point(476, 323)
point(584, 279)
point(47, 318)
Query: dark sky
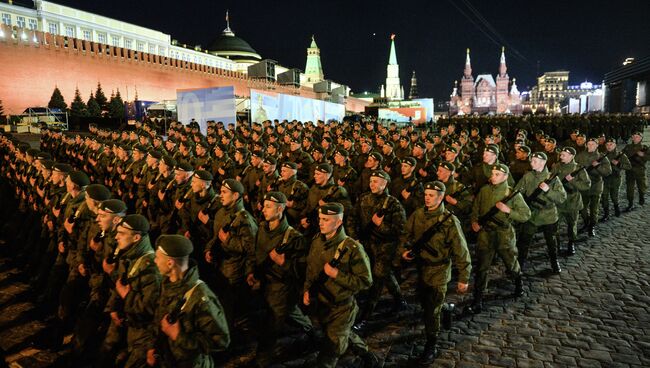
point(589, 38)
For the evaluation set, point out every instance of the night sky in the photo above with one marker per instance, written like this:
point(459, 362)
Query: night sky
point(589, 38)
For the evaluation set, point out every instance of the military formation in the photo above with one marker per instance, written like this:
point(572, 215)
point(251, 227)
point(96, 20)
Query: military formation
point(144, 250)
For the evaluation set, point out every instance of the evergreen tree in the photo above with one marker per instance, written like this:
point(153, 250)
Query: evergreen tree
point(116, 106)
point(2, 109)
point(78, 106)
point(94, 110)
point(100, 97)
point(57, 101)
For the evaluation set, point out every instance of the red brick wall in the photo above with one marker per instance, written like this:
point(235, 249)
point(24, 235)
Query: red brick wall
point(29, 71)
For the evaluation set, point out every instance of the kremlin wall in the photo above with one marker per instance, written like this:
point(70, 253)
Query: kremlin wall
point(34, 62)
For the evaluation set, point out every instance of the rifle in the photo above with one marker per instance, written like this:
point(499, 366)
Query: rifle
point(318, 286)
point(175, 313)
point(599, 160)
point(421, 244)
point(370, 226)
point(534, 196)
point(459, 194)
point(260, 270)
point(489, 215)
point(124, 280)
point(217, 250)
point(635, 156)
point(564, 181)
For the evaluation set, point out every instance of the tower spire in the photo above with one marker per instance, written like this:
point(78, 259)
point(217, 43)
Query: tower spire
point(313, 68)
point(392, 59)
point(413, 93)
point(228, 31)
point(468, 66)
point(502, 66)
point(394, 90)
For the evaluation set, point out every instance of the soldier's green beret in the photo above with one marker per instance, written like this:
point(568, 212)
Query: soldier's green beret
point(243, 151)
point(47, 164)
point(405, 138)
point(640, 134)
point(492, 148)
point(174, 245)
point(220, 146)
point(435, 185)
point(501, 167)
point(331, 208)
point(140, 148)
point(324, 168)
point(270, 160)
point(63, 168)
point(203, 175)
point(569, 150)
point(295, 140)
point(421, 145)
point(274, 145)
point(540, 155)
point(277, 197)
point(113, 206)
point(611, 140)
point(184, 166)
point(233, 186)
point(155, 154)
point(169, 161)
point(376, 155)
point(380, 174)
point(447, 165)
point(79, 177)
point(575, 131)
point(33, 152)
point(203, 144)
point(125, 147)
point(581, 135)
point(327, 139)
point(343, 152)
point(524, 149)
point(136, 223)
point(593, 139)
point(290, 165)
point(411, 161)
point(187, 144)
point(389, 143)
point(319, 149)
point(258, 154)
point(98, 192)
point(43, 156)
point(349, 139)
point(552, 140)
point(452, 149)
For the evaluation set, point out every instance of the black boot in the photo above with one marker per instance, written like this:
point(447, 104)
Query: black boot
point(519, 287)
point(447, 315)
point(641, 199)
point(617, 210)
point(477, 304)
point(630, 205)
point(570, 248)
point(555, 265)
point(605, 214)
point(429, 354)
point(362, 322)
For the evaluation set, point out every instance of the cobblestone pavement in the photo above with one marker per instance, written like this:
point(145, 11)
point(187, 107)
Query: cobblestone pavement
point(596, 313)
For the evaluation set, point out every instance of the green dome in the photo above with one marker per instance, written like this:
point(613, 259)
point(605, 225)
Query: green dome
point(230, 46)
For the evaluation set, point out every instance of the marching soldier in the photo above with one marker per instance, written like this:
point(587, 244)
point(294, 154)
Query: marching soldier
point(189, 322)
point(635, 178)
point(543, 193)
point(612, 182)
point(330, 290)
point(435, 251)
point(492, 218)
point(324, 190)
point(597, 167)
point(295, 191)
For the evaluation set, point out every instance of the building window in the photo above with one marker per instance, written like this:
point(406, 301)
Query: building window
point(87, 34)
point(54, 28)
point(140, 46)
point(6, 19)
point(20, 22)
point(115, 41)
point(101, 37)
point(69, 31)
point(152, 49)
point(161, 51)
point(128, 43)
point(33, 24)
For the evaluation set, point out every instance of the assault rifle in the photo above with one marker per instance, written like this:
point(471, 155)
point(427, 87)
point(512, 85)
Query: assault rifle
point(318, 286)
point(262, 269)
point(534, 196)
point(491, 213)
point(564, 181)
point(421, 243)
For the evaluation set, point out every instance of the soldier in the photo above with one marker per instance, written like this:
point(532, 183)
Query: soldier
point(496, 233)
point(280, 253)
point(597, 166)
point(575, 180)
point(458, 197)
point(551, 151)
point(324, 190)
point(295, 191)
point(192, 225)
point(612, 182)
point(378, 221)
point(135, 294)
point(434, 252)
point(542, 192)
point(231, 249)
point(343, 173)
point(521, 164)
point(407, 187)
point(636, 176)
point(189, 322)
point(330, 291)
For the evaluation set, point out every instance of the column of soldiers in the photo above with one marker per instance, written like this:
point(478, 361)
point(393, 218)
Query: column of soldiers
point(144, 250)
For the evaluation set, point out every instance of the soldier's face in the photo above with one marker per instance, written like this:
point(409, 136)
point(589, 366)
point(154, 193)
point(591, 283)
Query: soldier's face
point(377, 185)
point(320, 177)
point(162, 262)
point(450, 156)
point(181, 176)
point(328, 224)
point(125, 237)
point(271, 211)
point(592, 146)
point(407, 169)
point(489, 157)
point(433, 198)
point(566, 157)
point(636, 139)
point(537, 164)
point(417, 151)
point(227, 197)
point(286, 173)
point(104, 220)
point(371, 162)
point(611, 146)
point(443, 174)
point(199, 185)
point(92, 204)
point(498, 177)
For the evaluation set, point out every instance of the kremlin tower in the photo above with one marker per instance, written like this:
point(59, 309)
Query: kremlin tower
point(393, 89)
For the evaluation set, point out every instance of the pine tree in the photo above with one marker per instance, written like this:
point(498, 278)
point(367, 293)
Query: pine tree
point(116, 106)
point(78, 106)
point(2, 109)
point(94, 110)
point(57, 101)
point(100, 97)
